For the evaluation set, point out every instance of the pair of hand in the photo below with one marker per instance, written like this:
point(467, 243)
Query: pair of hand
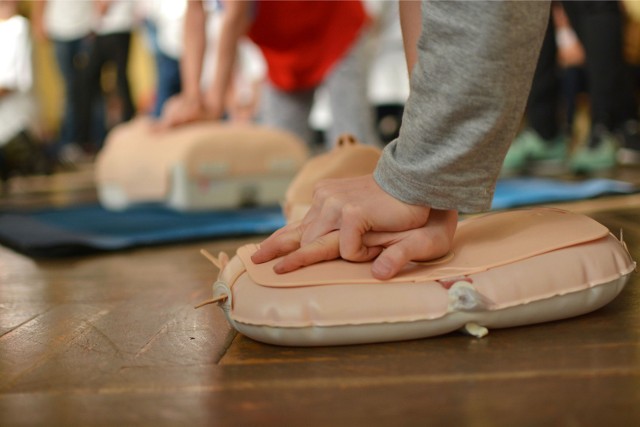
point(182, 109)
point(357, 220)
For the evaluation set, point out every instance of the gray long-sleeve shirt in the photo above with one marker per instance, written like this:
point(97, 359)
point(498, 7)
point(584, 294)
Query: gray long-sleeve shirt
point(469, 89)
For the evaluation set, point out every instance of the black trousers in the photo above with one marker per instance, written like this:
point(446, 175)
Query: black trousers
point(599, 26)
point(106, 48)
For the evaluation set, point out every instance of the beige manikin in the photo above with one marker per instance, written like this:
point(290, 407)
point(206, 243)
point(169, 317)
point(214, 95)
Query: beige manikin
point(505, 269)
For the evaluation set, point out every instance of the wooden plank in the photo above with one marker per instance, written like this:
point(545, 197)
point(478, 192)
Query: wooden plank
point(13, 315)
point(576, 398)
point(146, 317)
point(27, 348)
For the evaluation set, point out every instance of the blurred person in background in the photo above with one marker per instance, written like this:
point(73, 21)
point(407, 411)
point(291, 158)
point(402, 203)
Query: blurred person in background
point(614, 129)
point(113, 27)
point(68, 24)
point(164, 23)
point(305, 45)
point(19, 151)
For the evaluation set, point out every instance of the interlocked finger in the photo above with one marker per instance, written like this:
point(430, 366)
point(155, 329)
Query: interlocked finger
point(324, 248)
point(280, 243)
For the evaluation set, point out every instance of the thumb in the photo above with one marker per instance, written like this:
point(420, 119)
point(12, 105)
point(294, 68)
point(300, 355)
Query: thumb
point(390, 261)
point(414, 245)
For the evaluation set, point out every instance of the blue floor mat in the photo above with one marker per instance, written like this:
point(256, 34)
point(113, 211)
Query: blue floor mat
point(89, 228)
point(516, 192)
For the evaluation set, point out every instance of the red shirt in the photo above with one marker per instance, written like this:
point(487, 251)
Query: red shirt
point(302, 40)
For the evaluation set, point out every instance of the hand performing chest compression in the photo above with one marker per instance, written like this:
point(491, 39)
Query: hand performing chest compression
point(358, 221)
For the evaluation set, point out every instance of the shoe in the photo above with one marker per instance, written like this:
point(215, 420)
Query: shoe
point(598, 154)
point(531, 153)
point(23, 156)
point(72, 157)
point(629, 135)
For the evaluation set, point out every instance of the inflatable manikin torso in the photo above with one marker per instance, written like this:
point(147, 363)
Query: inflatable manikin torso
point(348, 159)
point(197, 166)
point(505, 269)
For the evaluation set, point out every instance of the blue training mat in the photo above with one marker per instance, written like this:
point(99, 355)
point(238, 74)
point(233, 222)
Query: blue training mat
point(518, 192)
point(89, 228)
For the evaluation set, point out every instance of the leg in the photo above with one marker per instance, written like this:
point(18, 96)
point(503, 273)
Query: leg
point(287, 110)
point(542, 106)
point(90, 90)
point(347, 87)
point(573, 84)
point(599, 25)
point(541, 149)
point(68, 55)
point(168, 81)
point(119, 45)
point(4, 170)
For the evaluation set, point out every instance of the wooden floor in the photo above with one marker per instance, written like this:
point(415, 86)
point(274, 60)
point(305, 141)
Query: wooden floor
point(113, 340)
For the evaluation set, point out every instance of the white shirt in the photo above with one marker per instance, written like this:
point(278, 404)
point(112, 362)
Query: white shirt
point(168, 16)
point(68, 19)
point(119, 18)
point(16, 74)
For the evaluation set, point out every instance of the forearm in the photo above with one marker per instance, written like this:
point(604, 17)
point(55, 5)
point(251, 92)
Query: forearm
point(102, 6)
point(37, 16)
point(194, 48)
point(411, 22)
point(234, 25)
point(475, 61)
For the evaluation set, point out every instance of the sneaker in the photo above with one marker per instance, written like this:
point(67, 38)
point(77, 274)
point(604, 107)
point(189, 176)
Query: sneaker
point(530, 153)
point(597, 155)
point(629, 135)
point(71, 156)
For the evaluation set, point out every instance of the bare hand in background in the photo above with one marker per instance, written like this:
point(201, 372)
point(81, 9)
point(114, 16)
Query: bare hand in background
point(179, 110)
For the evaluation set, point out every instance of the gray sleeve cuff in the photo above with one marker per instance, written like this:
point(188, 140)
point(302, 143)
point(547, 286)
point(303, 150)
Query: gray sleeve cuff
point(468, 92)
